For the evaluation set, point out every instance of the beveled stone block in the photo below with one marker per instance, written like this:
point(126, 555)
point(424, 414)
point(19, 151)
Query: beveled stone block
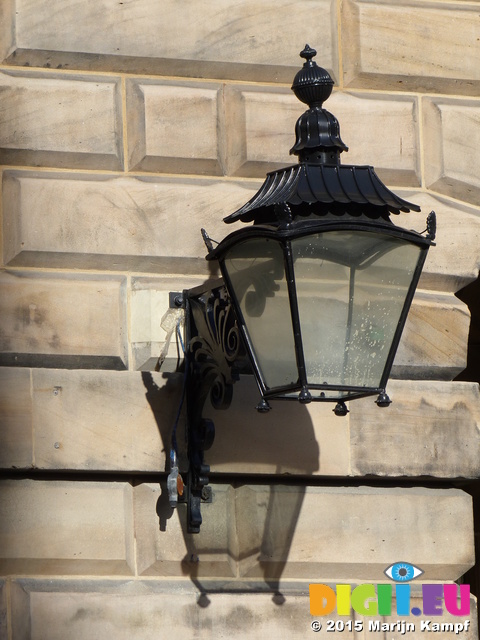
point(431, 428)
point(218, 39)
point(83, 420)
point(452, 147)
point(115, 223)
point(260, 129)
point(65, 527)
point(379, 130)
point(101, 420)
point(433, 345)
point(151, 320)
point(454, 261)
point(149, 609)
point(370, 440)
point(437, 51)
point(173, 127)
point(290, 439)
point(16, 437)
point(434, 342)
point(60, 121)
point(306, 532)
point(268, 533)
point(62, 320)
point(164, 548)
point(145, 609)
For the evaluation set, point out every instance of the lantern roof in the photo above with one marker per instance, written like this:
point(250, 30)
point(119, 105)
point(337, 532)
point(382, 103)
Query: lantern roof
point(337, 188)
point(319, 184)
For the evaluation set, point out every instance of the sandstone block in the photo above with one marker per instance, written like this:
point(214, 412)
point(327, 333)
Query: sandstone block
point(20, 616)
point(16, 437)
point(454, 261)
point(258, 528)
point(7, 28)
point(283, 522)
point(151, 320)
point(370, 440)
point(434, 342)
point(438, 51)
point(452, 147)
point(431, 428)
point(116, 223)
point(99, 420)
point(60, 121)
point(62, 320)
point(261, 131)
point(380, 131)
point(290, 439)
point(146, 610)
point(433, 345)
point(62, 527)
point(81, 608)
point(164, 548)
point(145, 237)
point(142, 224)
point(173, 127)
point(217, 40)
point(122, 421)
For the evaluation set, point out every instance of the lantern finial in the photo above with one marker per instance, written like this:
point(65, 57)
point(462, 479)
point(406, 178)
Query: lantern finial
point(317, 130)
point(312, 84)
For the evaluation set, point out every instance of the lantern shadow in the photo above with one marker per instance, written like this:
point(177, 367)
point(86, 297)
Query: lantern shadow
point(255, 457)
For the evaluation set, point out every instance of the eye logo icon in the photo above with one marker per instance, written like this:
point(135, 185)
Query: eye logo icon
point(403, 572)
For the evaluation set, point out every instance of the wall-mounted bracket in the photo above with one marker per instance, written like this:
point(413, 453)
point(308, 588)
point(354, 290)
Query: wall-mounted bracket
point(213, 345)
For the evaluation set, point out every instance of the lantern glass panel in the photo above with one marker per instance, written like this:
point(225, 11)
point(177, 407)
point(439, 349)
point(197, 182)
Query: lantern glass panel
point(351, 290)
point(257, 274)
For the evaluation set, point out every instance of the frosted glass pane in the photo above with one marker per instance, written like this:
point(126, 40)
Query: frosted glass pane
point(351, 290)
point(257, 272)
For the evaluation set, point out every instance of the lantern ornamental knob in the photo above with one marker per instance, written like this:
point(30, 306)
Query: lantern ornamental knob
point(317, 130)
point(312, 84)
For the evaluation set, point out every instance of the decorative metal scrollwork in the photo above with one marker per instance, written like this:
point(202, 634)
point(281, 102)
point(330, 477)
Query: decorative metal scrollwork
point(431, 225)
point(215, 346)
point(214, 343)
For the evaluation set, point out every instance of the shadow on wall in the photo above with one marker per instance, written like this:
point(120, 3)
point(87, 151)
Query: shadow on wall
point(470, 295)
point(252, 525)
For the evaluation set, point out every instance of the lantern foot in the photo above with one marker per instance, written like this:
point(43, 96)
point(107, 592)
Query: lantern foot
point(263, 406)
point(305, 396)
point(340, 409)
point(383, 400)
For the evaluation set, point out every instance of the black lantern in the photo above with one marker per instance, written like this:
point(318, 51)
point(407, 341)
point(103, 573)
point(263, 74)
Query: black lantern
point(321, 304)
point(323, 280)
point(317, 289)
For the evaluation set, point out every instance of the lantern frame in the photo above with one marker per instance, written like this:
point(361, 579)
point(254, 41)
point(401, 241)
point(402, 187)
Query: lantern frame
point(284, 234)
point(316, 196)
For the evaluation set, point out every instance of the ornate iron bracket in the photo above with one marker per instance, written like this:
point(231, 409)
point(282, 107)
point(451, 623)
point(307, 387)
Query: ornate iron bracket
point(212, 346)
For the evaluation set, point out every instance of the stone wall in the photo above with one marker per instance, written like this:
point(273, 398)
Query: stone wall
point(124, 128)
